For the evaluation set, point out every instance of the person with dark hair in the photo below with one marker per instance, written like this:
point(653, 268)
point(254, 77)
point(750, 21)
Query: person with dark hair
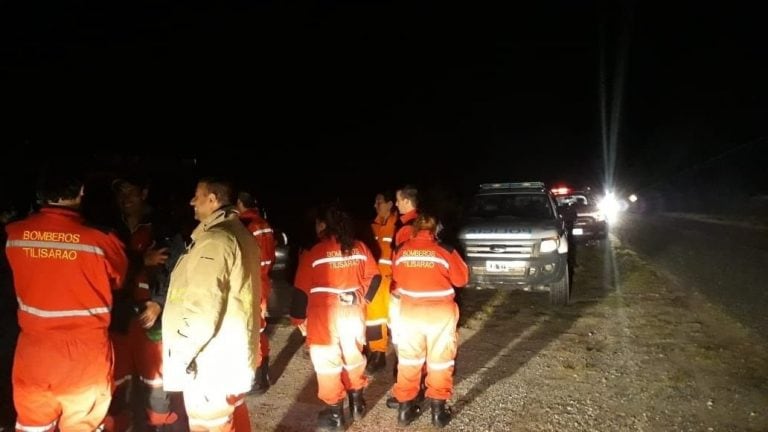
point(136, 333)
point(334, 280)
point(211, 314)
point(426, 272)
point(407, 202)
point(263, 235)
point(64, 274)
point(377, 313)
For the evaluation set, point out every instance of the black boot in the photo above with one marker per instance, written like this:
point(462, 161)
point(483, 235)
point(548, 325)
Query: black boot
point(261, 382)
point(331, 418)
point(392, 402)
point(407, 412)
point(441, 414)
point(376, 362)
point(356, 404)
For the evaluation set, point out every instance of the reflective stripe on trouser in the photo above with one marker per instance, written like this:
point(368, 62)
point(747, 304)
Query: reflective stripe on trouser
point(339, 363)
point(428, 334)
point(62, 381)
point(376, 318)
point(209, 410)
point(138, 356)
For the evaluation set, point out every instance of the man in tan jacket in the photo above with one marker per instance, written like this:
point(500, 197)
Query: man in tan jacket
point(211, 315)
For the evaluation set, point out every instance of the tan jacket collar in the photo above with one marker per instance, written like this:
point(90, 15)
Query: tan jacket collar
point(217, 217)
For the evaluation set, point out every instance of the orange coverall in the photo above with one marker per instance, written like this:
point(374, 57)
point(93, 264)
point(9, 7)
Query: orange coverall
point(403, 232)
point(64, 273)
point(265, 237)
point(336, 285)
point(405, 228)
point(426, 272)
point(377, 313)
point(136, 353)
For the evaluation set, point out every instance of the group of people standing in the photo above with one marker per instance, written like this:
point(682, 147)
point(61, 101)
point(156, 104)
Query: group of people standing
point(345, 298)
point(146, 315)
point(91, 301)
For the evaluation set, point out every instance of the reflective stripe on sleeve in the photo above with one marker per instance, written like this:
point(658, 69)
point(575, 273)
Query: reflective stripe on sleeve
point(45, 428)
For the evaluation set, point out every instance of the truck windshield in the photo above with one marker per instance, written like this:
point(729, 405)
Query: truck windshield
point(531, 206)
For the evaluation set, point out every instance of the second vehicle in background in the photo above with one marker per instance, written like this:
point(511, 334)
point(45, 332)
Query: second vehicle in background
point(582, 213)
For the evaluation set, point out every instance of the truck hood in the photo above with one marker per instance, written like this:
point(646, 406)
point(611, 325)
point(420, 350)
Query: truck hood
point(508, 228)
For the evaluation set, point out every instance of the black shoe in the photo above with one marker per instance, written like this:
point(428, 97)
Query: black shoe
point(441, 414)
point(356, 404)
point(376, 362)
point(331, 418)
point(407, 412)
point(261, 382)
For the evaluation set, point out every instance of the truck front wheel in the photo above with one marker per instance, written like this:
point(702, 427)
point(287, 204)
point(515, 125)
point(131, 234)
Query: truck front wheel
point(560, 291)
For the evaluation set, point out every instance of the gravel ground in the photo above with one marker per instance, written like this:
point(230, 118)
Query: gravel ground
point(633, 352)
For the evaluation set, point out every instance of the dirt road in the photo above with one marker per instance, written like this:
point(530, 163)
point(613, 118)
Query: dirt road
point(633, 352)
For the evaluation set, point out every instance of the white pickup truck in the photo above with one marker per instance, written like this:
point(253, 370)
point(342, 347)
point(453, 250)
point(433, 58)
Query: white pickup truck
point(513, 237)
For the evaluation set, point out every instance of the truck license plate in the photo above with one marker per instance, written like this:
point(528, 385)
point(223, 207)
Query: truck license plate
point(578, 231)
point(505, 266)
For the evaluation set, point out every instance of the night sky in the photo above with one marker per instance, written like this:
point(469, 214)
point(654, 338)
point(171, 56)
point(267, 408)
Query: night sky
point(442, 95)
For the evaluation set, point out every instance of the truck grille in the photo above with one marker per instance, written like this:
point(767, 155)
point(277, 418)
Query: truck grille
point(500, 249)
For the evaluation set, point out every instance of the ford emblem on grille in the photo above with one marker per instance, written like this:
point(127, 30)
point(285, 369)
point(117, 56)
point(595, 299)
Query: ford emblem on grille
point(498, 249)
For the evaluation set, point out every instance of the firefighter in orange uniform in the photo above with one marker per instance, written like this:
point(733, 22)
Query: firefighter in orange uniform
point(377, 313)
point(407, 203)
point(137, 339)
point(64, 273)
point(333, 280)
point(426, 272)
point(265, 237)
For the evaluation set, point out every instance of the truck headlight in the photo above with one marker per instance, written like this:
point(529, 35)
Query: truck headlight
point(548, 245)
